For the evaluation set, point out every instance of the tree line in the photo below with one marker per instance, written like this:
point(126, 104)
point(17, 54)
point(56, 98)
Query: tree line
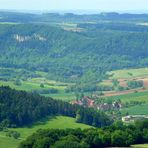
point(19, 108)
point(116, 135)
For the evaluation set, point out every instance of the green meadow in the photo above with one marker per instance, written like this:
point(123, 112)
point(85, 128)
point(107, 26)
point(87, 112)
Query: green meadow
point(29, 85)
point(136, 110)
point(128, 73)
point(8, 77)
point(7, 142)
point(59, 122)
point(62, 96)
point(140, 146)
point(32, 85)
point(137, 96)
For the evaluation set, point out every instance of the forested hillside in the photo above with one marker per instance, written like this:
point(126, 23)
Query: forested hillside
point(73, 56)
point(18, 108)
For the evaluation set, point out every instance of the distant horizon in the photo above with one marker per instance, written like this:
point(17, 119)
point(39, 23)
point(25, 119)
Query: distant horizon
point(139, 6)
point(75, 11)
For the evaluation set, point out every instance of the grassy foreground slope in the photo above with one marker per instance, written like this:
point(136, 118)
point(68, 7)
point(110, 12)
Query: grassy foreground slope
point(7, 142)
point(140, 146)
point(60, 122)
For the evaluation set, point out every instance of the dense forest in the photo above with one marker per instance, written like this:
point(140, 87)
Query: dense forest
point(40, 42)
point(74, 56)
point(116, 135)
point(18, 108)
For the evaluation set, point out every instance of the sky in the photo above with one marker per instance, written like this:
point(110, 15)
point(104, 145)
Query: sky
point(106, 5)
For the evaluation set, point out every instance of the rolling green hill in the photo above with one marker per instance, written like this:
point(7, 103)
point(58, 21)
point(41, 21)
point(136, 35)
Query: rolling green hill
point(117, 135)
point(59, 122)
point(69, 55)
point(140, 145)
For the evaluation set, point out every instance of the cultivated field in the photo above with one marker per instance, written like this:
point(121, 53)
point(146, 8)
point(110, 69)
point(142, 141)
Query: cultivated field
point(32, 81)
point(136, 110)
point(136, 96)
point(32, 85)
point(124, 76)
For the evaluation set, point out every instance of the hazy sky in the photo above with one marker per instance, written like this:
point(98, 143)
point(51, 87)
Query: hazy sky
point(74, 4)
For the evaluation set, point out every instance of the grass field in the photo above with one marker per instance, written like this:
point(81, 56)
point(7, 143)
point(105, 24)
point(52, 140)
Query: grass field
point(59, 122)
point(33, 83)
point(6, 142)
point(69, 26)
point(140, 146)
point(62, 96)
point(29, 86)
point(128, 73)
point(106, 83)
point(136, 110)
point(137, 96)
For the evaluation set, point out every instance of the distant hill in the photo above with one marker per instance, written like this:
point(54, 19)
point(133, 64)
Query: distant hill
point(71, 55)
point(14, 16)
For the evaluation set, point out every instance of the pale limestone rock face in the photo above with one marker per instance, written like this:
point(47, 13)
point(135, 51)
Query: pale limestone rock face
point(20, 38)
point(39, 37)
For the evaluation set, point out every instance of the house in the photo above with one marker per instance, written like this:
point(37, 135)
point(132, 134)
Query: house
point(104, 106)
point(132, 118)
point(116, 105)
point(85, 101)
point(78, 102)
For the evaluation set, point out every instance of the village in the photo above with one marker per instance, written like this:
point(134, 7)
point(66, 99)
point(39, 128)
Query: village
point(86, 101)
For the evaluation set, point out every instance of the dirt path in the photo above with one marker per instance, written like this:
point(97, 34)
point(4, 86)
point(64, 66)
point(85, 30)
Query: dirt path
point(109, 94)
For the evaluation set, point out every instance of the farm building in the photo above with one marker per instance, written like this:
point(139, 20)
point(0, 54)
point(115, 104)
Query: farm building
point(85, 101)
point(132, 118)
